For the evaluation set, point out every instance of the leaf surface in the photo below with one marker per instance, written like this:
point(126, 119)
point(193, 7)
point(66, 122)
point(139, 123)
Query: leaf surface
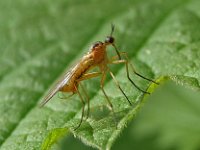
point(40, 40)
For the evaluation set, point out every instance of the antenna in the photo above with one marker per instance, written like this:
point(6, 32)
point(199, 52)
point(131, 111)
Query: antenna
point(112, 29)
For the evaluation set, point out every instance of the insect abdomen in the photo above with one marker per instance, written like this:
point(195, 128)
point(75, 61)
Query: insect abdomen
point(81, 69)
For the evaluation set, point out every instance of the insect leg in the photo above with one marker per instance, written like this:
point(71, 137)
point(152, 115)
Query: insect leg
point(127, 72)
point(107, 98)
point(87, 98)
point(125, 54)
point(63, 96)
point(85, 77)
point(102, 88)
point(132, 68)
point(83, 108)
point(88, 76)
point(119, 87)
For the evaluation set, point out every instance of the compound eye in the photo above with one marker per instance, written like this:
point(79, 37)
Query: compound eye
point(110, 40)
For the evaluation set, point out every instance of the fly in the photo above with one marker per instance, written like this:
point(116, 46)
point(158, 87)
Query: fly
point(96, 57)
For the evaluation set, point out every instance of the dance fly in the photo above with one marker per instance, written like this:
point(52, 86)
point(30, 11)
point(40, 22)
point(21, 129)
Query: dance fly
point(95, 58)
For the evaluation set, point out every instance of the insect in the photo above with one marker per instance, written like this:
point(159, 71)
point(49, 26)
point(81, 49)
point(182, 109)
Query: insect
point(96, 57)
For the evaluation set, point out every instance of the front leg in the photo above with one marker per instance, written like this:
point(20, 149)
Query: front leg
point(127, 73)
point(115, 60)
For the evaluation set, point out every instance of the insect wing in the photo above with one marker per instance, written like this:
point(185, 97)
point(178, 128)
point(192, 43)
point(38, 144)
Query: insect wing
point(62, 81)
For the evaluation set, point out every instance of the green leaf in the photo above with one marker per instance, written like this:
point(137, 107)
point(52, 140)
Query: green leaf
point(169, 120)
point(53, 137)
point(40, 40)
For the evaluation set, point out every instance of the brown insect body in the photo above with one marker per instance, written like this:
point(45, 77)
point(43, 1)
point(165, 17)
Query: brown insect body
point(95, 57)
